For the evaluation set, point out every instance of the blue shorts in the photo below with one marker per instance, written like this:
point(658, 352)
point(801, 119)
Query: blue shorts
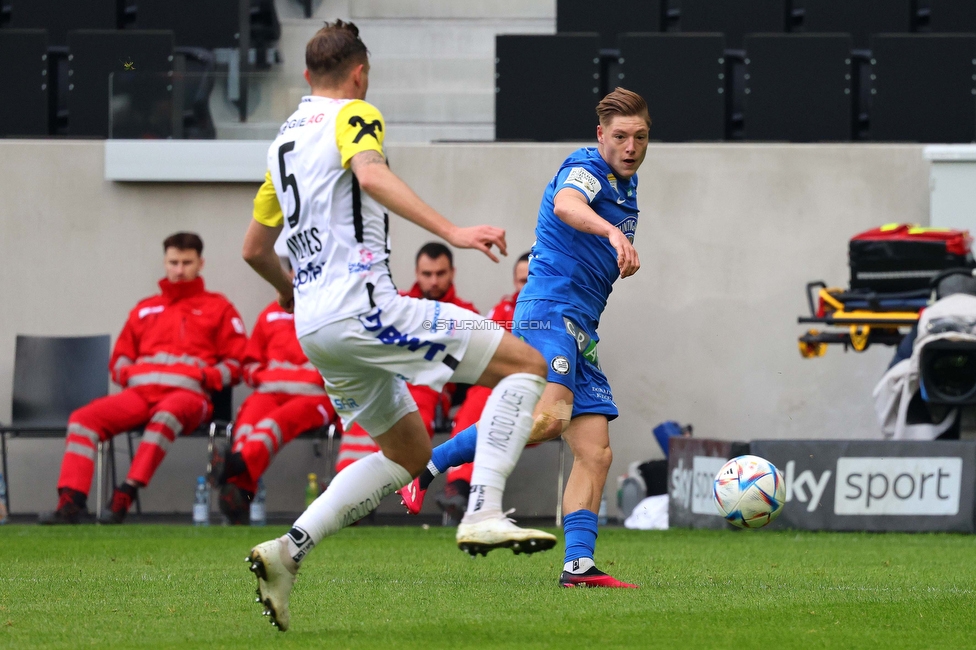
point(568, 342)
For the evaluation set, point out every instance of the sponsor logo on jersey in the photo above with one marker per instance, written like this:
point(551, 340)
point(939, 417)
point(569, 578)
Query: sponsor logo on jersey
point(238, 324)
point(148, 311)
point(308, 274)
point(584, 180)
point(628, 227)
point(613, 182)
point(390, 335)
point(560, 365)
point(279, 315)
point(365, 263)
point(365, 128)
point(296, 123)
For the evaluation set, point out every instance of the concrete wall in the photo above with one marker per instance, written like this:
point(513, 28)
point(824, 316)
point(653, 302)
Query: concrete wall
point(704, 333)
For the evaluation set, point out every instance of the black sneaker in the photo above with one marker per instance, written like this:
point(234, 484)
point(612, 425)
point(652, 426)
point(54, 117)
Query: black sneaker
point(235, 504)
point(118, 507)
point(71, 508)
point(454, 501)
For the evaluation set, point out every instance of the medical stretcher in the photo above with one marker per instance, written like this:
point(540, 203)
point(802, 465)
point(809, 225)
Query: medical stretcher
point(895, 270)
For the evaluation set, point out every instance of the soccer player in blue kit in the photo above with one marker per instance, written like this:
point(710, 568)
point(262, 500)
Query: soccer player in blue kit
point(584, 242)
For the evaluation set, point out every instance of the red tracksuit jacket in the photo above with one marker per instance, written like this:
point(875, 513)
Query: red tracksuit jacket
point(186, 337)
point(274, 361)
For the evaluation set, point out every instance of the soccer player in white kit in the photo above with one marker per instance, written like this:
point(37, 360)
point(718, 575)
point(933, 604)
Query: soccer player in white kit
point(328, 186)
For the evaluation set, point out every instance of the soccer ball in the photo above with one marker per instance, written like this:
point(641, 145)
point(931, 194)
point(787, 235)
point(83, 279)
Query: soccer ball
point(749, 492)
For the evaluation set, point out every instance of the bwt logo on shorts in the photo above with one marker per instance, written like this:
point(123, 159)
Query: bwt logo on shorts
point(898, 486)
point(392, 336)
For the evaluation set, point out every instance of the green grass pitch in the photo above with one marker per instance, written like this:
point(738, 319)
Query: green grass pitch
point(376, 587)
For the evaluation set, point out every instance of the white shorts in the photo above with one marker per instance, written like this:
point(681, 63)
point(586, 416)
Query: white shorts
point(368, 360)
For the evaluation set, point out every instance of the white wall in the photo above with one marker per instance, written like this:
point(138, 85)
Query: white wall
point(704, 333)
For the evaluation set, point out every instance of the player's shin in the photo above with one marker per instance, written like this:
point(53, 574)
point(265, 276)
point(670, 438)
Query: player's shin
point(502, 433)
point(353, 493)
point(454, 452)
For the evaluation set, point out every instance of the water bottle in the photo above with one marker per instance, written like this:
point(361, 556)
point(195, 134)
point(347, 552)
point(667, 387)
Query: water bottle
point(311, 490)
point(201, 503)
point(3, 500)
point(258, 512)
point(601, 517)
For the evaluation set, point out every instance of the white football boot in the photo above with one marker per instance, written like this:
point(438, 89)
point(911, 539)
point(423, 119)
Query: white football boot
point(501, 532)
point(272, 566)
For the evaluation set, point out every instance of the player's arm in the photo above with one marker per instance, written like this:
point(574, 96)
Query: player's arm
point(382, 184)
point(259, 241)
point(360, 133)
point(571, 207)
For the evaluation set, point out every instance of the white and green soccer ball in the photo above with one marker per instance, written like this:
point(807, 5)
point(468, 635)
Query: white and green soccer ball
point(749, 492)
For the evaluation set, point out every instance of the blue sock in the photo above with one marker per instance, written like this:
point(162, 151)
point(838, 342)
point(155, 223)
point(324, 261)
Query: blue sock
point(456, 451)
point(580, 530)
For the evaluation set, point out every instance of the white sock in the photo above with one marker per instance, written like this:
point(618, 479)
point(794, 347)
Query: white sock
point(352, 494)
point(503, 430)
point(432, 468)
point(582, 565)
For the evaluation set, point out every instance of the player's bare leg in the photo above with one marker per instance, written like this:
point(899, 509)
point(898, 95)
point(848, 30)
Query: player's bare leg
point(352, 494)
point(517, 375)
point(588, 437)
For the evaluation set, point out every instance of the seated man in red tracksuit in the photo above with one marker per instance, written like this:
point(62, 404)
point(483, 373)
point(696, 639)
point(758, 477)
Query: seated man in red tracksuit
point(454, 499)
point(289, 398)
point(434, 273)
point(176, 348)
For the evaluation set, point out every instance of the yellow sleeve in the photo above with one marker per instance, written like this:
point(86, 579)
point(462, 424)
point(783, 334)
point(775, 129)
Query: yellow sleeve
point(359, 127)
point(266, 209)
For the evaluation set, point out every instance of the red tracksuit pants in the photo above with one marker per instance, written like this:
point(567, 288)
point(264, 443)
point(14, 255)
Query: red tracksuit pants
point(163, 411)
point(266, 422)
point(356, 443)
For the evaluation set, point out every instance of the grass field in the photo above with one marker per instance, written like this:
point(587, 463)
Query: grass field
point(398, 587)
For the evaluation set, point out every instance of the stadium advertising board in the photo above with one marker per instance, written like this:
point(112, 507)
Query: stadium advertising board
point(875, 485)
point(692, 466)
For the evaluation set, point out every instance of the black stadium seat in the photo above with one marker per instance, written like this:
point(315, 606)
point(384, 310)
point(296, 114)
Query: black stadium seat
point(59, 17)
point(96, 57)
point(209, 24)
point(608, 18)
point(799, 87)
point(859, 18)
point(924, 89)
point(23, 78)
point(952, 16)
point(734, 18)
point(681, 77)
point(547, 87)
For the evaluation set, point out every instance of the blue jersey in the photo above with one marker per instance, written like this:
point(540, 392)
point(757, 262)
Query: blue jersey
point(574, 267)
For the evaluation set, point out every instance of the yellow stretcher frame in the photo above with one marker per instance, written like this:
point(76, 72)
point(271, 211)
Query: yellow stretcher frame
point(857, 328)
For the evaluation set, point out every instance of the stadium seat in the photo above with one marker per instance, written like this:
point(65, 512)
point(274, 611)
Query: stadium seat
point(952, 16)
point(142, 94)
point(798, 87)
point(682, 78)
point(609, 18)
point(546, 87)
point(59, 17)
point(209, 24)
point(924, 89)
point(23, 77)
point(53, 376)
point(734, 18)
point(859, 18)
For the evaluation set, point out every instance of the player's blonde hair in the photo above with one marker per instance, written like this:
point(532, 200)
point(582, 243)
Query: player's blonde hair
point(624, 103)
point(333, 51)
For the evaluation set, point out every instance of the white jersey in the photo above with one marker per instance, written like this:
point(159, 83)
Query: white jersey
point(337, 235)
